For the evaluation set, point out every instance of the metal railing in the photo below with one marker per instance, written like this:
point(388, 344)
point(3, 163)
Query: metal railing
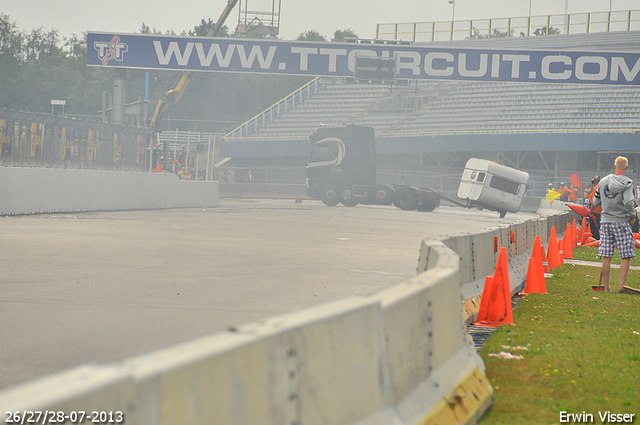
point(525, 26)
point(193, 150)
point(276, 110)
point(29, 139)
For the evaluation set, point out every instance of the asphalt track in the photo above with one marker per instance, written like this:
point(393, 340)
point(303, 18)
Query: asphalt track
point(101, 287)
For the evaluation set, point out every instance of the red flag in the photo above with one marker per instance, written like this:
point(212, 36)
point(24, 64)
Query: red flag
point(575, 181)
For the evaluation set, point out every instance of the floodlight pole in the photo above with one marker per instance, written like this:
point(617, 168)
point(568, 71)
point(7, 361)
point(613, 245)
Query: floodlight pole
point(529, 21)
point(453, 16)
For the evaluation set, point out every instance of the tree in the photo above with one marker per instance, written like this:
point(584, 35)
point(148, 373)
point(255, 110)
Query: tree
point(39, 65)
point(543, 31)
point(11, 60)
point(495, 33)
point(340, 36)
point(311, 35)
point(204, 28)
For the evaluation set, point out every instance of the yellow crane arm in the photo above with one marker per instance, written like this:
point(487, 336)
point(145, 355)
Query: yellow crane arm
point(173, 95)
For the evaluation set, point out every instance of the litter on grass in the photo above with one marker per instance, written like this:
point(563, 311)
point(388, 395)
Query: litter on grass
point(506, 355)
point(516, 348)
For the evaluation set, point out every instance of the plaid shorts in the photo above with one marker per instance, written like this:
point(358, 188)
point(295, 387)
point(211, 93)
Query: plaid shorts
point(612, 234)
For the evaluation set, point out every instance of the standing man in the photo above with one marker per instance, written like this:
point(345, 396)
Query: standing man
point(564, 192)
point(594, 216)
point(615, 195)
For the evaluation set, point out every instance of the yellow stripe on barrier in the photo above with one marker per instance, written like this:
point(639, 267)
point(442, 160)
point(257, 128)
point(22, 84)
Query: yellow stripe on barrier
point(470, 308)
point(466, 403)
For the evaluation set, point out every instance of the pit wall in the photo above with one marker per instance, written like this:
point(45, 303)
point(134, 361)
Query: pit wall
point(52, 190)
point(401, 356)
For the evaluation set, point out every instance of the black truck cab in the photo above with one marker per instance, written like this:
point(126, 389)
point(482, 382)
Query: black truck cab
point(342, 164)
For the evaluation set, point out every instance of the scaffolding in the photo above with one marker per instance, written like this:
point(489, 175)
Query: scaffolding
point(253, 23)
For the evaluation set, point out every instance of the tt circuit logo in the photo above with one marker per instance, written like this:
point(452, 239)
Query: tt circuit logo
point(108, 51)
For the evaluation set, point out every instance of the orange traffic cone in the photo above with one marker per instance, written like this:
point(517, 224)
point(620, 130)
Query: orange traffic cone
point(495, 305)
point(535, 273)
point(583, 228)
point(536, 255)
point(484, 300)
point(561, 250)
point(554, 253)
point(574, 235)
point(531, 284)
point(545, 261)
point(567, 252)
point(585, 237)
point(540, 258)
point(595, 243)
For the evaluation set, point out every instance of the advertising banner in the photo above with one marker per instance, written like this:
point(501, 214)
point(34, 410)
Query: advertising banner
point(412, 61)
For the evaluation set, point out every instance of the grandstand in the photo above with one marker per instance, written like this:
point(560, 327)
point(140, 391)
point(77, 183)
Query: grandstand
point(418, 120)
point(452, 107)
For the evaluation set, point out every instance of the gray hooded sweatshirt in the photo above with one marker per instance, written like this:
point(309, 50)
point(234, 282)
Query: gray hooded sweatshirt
point(615, 195)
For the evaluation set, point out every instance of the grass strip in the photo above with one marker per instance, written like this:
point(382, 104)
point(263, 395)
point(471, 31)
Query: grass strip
point(582, 356)
point(589, 253)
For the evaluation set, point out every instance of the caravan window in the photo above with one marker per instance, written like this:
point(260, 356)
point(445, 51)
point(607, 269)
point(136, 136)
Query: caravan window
point(478, 176)
point(504, 185)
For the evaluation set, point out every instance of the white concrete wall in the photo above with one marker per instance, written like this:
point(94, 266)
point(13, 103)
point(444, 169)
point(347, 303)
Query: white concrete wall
point(51, 190)
point(401, 356)
point(398, 357)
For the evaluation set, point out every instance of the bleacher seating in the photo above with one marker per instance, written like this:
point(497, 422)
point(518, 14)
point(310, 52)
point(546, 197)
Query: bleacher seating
point(446, 107)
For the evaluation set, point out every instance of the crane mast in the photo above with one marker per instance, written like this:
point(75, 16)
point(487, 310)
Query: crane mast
point(172, 96)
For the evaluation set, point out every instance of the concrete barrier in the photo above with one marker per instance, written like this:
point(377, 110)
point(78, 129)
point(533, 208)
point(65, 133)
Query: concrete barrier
point(433, 370)
point(479, 253)
point(401, 356)
point(262, 190)
point(52, 190)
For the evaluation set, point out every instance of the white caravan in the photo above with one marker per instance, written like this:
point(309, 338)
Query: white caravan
point(493, 186)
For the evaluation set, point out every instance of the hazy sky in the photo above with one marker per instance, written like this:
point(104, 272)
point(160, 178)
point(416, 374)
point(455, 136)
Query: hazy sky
point(325, 16)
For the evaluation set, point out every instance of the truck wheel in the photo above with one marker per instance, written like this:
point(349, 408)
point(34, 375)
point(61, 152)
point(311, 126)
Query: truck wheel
point(405, 199)
point(382, 194)
point(351, 202)
point(330, 196)
point(431, 202)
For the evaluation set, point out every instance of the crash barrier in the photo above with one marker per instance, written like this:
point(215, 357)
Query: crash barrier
point(479, 254)
point(53, 190)
point(400, 356)
point(263, 190)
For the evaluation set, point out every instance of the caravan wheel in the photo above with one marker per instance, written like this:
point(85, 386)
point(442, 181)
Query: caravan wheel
point(405, 199)
point(431, 202)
